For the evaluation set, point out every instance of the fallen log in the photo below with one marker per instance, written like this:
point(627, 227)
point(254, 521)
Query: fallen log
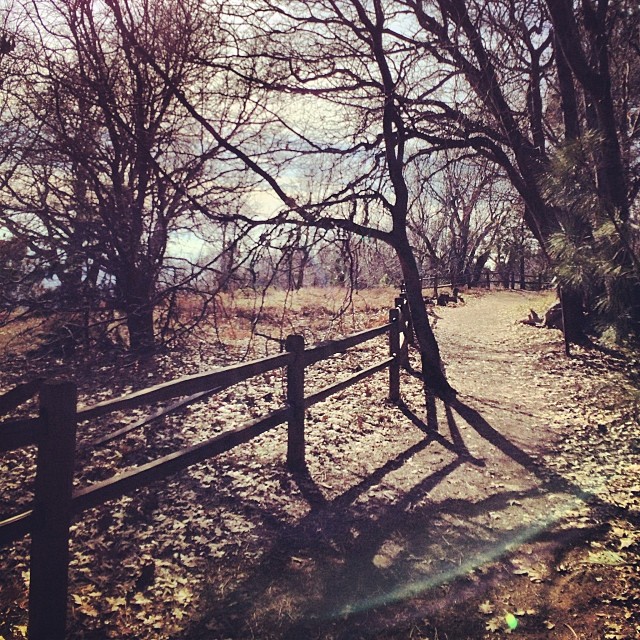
point(551, 319)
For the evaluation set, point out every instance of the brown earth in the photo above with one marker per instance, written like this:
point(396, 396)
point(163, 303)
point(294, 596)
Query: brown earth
point(513, 510)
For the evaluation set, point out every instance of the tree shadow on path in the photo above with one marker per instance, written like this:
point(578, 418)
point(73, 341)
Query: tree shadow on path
point(336, 571)
point(475, 420)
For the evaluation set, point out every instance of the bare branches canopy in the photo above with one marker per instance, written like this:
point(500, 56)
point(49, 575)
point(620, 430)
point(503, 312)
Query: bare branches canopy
point(430, 127)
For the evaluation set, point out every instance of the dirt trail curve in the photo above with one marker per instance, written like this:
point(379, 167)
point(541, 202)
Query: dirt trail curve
point(500, 367)
point(449, 523)
point(489, 348)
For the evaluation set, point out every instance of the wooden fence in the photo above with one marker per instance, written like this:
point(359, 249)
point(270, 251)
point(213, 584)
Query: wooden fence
point(532, 282)
point(55, 503)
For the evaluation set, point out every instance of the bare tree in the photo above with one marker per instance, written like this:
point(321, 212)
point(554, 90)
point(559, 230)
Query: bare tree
point(459, 205)
point(110, 173)
point(360, 91)
point(516, 100)
point(344, 59)
point(334, 56)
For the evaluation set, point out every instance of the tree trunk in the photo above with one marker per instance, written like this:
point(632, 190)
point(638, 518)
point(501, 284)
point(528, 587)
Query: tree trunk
point(136, 301)
point(434, 378)
point(476, 273)
point(304, 260)
point(141, 329)
point(573, 317)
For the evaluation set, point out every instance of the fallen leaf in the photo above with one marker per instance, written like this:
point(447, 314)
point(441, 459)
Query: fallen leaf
point(116, 603)
point(625, 543)
point(605, 557)
point(495, 624)
point(486, 608)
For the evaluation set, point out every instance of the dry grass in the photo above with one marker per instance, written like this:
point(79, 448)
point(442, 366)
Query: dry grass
point(238, 324)
point(317, 310)
point(314, 300)
point(542, 303)
point(19, 336)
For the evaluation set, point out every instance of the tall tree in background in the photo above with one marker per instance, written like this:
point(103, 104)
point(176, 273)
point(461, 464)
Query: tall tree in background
point(459, 205)
point(594, 177)
point(109, 173)
point(337, 89)
point(509, 56)
point(338, 56)
point(330, 104)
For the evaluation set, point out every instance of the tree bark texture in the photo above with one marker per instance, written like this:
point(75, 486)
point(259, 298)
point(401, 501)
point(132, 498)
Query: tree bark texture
point(434, 377)
point(136, 292)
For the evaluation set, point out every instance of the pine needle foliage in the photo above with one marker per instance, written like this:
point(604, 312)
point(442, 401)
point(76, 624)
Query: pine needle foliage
point(593, 252)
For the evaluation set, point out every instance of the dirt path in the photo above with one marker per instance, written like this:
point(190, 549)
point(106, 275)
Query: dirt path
point(543, 499)
point(448, 523)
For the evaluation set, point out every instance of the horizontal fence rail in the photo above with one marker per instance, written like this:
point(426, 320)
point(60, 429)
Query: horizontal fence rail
point(16, 527)
point(17, 434)
point(141, 476)
point(323, 394)
point(510, 280)
point(197, 383)
point(55, 502)
point(332, 347)
point(19, 395)
point(156, 415)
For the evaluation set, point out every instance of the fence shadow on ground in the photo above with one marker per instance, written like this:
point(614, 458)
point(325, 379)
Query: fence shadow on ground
point(362, 561)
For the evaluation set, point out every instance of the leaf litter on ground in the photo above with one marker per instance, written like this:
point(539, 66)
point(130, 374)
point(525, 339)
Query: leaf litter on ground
point(149, 565)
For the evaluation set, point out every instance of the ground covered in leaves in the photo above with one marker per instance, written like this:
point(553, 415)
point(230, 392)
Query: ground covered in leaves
point(513, 510)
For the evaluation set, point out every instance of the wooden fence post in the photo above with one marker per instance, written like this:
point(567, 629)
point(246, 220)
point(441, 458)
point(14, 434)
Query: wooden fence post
point(394, 351)
point(295, 400)
point(408, 322)
point(488, 280)
point(405, 328)
point(49, 562)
